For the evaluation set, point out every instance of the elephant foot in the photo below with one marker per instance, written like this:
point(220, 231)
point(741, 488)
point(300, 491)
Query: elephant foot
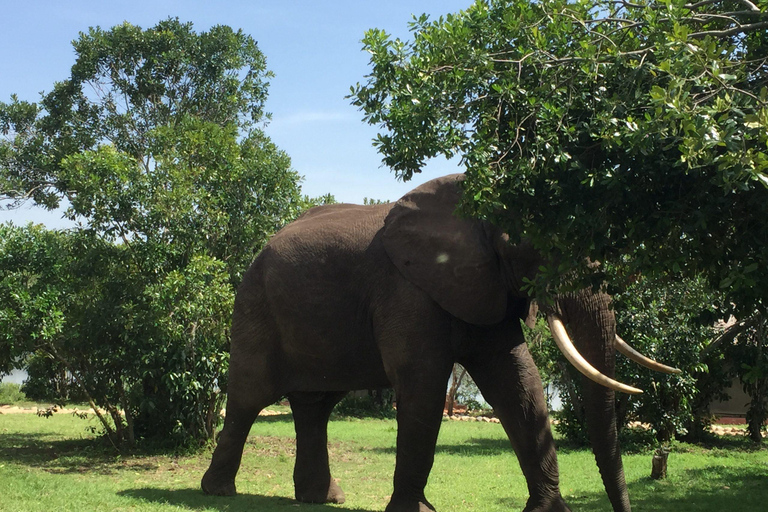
point(409, 505)
point(330, 494)
point(217, 488)
point(553, 505)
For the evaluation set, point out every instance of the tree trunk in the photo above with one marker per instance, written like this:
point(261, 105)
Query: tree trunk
point(456, 377)
point(131, 438)
point(659, 464)
point(112, 435)
point(757, 387)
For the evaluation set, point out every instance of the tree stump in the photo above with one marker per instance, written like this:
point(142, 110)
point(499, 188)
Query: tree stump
point(659, 469)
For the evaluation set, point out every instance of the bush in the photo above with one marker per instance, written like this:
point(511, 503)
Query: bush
point(378, 403)
point(10, 393)
point(671, 321)
point(48, 381)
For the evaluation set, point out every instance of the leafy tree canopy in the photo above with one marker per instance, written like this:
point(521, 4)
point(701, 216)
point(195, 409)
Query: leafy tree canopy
point(155, 144)
point(125, 83)
point(632, 132)
point(155, 137)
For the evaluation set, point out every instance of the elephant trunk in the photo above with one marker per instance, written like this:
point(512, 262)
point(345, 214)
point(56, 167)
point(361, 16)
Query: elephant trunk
point(603, 435)
point(592, 322)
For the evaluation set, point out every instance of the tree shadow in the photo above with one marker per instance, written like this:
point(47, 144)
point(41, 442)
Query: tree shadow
point(730, 443)
point(194, 499)
point(89, 454)
point(707, 489)
point(274, 418)
point(472, 447)
point(713, 488)
point(68, 455)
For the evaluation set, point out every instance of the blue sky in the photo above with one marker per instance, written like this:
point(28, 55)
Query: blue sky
point(313, 47)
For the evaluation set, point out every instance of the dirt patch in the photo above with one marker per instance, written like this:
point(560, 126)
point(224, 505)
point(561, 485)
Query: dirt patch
point(12, 409)
point(726, 429)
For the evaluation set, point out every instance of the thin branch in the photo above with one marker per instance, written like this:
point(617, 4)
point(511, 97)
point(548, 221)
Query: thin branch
point(728, 335)
point(731, 17)
point(741, 29)
point(631, 5)
point(626, 27)
point(700, 4)
point(752, 7)
point(589, 31)
point(84, 388)
point(611, 20)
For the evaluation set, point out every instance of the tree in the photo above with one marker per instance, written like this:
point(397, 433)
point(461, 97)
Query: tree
point(673, 321)
point(30, 300)
point(745, 352)
point(155, 142)
point(640, 126)
point(457, 376)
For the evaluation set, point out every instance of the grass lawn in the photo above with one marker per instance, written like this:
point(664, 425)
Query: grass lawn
point(54, 465)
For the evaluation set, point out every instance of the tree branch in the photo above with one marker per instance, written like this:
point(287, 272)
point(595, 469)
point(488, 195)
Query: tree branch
point(752, 7)
point(76, 375)
point(728, 335)
point(741, 29)
point(700, 4)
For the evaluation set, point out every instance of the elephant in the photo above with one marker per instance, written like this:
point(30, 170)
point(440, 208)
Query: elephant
point(351, 297)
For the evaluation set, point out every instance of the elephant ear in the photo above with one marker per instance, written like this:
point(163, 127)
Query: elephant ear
point(452, 259)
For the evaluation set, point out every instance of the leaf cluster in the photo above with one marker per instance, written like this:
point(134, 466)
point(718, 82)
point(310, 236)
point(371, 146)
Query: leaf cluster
point(598, 130)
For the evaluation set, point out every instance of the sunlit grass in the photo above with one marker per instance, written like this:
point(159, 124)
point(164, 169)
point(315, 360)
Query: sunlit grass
point(54, 464)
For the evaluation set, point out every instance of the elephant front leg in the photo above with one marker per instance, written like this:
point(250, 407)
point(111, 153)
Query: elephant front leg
point(312, 475)
point(419, 413)
point(510, 382)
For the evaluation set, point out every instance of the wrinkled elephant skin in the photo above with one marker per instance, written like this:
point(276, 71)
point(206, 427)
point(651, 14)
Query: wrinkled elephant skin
point(360, 297)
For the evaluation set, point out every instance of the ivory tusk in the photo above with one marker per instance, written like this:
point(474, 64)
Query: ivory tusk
point(566, 346)
point(623, 347)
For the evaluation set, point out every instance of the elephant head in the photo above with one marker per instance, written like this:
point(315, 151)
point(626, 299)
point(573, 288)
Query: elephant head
point(472, 271)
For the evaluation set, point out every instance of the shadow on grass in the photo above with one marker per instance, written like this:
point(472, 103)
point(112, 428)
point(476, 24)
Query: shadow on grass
point(86, 455)
point(731, 443)
point(711, 489)
point(714, 444)
point(68, 455)
point(275, 418)
point(470, 448)
point(476, 446)
point(194, 499)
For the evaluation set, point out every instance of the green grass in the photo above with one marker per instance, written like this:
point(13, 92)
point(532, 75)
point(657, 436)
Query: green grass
point(54, 464)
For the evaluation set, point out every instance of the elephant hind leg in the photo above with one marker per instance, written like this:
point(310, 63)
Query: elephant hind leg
point(252, 387)
point(219, 480)
point(312, 475)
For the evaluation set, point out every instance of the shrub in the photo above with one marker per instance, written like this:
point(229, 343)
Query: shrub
point(378, 403)
point(671, 321)
point(10, 393)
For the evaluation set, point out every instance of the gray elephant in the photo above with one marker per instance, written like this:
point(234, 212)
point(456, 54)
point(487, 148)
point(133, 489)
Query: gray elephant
point(360, 297)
